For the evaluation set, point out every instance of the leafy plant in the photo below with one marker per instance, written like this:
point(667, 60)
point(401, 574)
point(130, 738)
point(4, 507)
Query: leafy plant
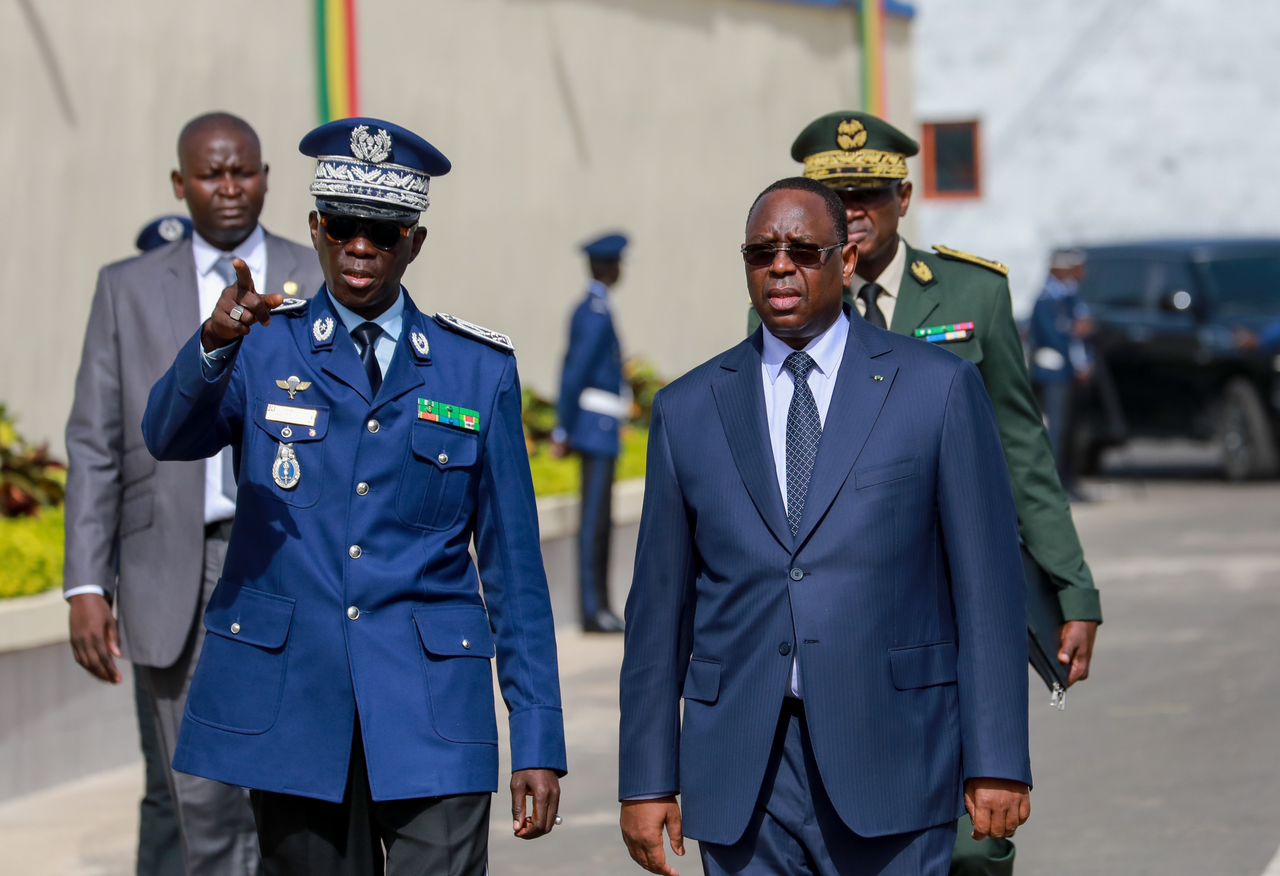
point(32, 551)
point(29, 477)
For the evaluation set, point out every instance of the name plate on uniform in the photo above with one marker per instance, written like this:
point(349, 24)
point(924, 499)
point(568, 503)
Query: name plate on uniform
point(292, 415)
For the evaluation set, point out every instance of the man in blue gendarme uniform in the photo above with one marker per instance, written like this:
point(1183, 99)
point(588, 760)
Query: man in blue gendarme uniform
point(594, 402)
point(346, 675)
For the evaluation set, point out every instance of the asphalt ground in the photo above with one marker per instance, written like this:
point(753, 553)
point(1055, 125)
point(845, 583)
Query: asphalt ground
point(1166, 761)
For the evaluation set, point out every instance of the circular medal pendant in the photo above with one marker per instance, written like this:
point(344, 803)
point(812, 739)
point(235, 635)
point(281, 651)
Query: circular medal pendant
point(286, 472)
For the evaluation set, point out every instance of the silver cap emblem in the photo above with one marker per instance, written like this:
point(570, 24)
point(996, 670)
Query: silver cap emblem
point(373, 148)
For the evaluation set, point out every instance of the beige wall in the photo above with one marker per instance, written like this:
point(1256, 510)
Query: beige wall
point(562, 118)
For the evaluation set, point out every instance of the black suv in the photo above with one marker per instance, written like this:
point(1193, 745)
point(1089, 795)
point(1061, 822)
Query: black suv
point(1178, 355)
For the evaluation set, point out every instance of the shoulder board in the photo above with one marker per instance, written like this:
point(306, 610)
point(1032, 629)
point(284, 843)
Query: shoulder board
point(948, 253)
point(291, 307)
point(479, 332)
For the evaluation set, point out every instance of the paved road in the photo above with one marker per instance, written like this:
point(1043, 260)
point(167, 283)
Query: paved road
point(1166, 762)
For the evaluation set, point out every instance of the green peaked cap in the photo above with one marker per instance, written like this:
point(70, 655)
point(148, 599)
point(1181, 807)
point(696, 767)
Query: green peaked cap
point(851, 149)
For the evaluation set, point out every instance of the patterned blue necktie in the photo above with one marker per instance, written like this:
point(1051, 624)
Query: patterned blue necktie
point(227, 272)
point(804, 429)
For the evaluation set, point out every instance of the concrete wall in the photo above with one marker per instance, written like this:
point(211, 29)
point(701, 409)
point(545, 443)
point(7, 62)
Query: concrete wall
point(563, 118)
point(1102, 121)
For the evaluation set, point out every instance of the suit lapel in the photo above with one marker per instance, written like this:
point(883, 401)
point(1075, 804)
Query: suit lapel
point(916, 300)
point(182, 299)
point(404, 374)
point(281, 265)
point(862, 385)
point(739, 396)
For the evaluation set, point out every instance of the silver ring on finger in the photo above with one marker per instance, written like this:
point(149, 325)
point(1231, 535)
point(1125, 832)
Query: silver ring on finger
point(237, 312)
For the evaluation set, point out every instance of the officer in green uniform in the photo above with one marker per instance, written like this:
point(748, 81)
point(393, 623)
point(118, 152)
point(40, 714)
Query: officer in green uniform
point(962, 302)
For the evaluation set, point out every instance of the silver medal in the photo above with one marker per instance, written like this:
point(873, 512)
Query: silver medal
point(286, 471)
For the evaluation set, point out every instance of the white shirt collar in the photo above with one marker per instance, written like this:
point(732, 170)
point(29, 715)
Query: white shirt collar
point(390, 320)
point(890, 278)
point(598, 289)
point(827, 349)
point(253, 249)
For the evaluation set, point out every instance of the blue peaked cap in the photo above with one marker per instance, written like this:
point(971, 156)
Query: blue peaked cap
point(605, 249)
point(372, 168)
point(161, 231)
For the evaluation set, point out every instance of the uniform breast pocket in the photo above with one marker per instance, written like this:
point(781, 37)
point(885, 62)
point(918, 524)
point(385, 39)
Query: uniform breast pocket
point(439, 478)
point(285, 453)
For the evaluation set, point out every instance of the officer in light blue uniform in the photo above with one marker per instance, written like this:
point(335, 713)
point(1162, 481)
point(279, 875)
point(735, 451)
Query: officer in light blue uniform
point(594, 402)
point(346, 674)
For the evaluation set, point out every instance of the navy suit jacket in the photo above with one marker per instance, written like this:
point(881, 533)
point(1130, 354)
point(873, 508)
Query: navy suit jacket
point(593, 360)
point(352, 595)
point(902, 595)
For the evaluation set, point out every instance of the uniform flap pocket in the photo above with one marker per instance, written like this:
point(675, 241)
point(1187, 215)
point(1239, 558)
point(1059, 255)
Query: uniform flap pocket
point(291, 422)
point(247, 615)
point(889, 471)
point(702, 681)
point(138, 464)
point(923, 665)
point(455, 631)
point(444, 446)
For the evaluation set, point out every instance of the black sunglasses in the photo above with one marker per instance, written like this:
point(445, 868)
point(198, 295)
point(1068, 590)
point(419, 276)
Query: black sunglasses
point(383, 234)
point(802, 255)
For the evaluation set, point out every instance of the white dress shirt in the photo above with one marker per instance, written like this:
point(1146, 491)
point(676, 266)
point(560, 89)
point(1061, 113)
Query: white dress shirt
point(890, 281)
point(827, 352)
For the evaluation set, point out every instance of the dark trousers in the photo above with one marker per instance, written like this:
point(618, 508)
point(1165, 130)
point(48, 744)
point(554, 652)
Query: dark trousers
point(1057, 400)
point(159, 843)
point(435, 836)
point(796, 831)
point(593, 534)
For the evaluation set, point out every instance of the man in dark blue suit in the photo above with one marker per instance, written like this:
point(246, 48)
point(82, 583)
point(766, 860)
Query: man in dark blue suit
point(594, 403)
point(828, 574)
point(346, 674)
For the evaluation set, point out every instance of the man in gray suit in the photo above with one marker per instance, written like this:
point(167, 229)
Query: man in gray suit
point(147, 537)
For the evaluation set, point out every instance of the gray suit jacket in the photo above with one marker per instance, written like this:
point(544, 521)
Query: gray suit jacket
point(135, 527)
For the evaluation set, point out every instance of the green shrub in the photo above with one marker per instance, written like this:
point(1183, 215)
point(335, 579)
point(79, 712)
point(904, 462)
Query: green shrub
point(560, 477)
point(31, 553)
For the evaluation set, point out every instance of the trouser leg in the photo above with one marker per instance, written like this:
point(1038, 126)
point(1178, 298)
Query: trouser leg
point(215, 821)
point(594, 532)
point(440, 836)
point(159, 846)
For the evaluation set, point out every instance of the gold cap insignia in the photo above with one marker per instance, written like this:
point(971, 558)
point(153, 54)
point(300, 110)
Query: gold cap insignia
point(851, 135)
point(922, 272)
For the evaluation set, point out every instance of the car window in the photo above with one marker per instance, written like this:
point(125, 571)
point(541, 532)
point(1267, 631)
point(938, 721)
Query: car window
point(1245, 286)
point(1113, 283)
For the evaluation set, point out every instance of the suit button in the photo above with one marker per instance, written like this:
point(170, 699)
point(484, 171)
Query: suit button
point(443, 459)
point(466, 644)
point(235, 629)
point(797, 574)
point(353, 613)
point(362, 489)
point(373, 426)
point(784, 649)
point(354, 552)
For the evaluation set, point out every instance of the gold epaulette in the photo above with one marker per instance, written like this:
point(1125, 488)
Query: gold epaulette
point(948, 253)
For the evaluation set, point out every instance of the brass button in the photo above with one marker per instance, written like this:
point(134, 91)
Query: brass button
point(466, 644)
point(362, 489)
point(353, 613)
point(443, 458)
point(235, 629)
point(354, 552)
point(373, 426)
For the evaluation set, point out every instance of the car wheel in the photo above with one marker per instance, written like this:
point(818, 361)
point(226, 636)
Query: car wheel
point(1244, 434)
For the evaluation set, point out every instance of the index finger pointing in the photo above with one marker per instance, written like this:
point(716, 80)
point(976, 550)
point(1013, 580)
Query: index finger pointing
point(244, 280)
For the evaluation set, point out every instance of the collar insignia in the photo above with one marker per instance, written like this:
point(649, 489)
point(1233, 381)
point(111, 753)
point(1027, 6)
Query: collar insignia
point(420, 345)
point(322, 329)
point(293, 386)
point(851, 135)
point(922, 272)
point(373, 148)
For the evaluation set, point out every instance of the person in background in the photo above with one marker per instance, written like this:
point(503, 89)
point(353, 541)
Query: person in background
point(144, 540)
point(594, 402)
point(1061, 362)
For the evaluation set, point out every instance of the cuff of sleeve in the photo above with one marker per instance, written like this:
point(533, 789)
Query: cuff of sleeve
point(537, 740)
point(639, 797)
point(214, 362)
point(82, 590)
point(1080, 604)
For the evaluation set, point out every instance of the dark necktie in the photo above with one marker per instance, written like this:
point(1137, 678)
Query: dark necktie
point(366, 335)
point(874, 315)
point(804, 429)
